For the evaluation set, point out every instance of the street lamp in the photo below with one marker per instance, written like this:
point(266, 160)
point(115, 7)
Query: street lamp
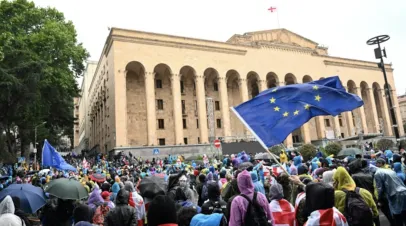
point(35, 142)
point(378, 55)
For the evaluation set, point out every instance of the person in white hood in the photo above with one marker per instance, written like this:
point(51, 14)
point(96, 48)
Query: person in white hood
point(7, 217)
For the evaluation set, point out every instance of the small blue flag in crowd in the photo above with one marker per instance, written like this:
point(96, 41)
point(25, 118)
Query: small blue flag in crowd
point(50, 157)
point(277, 112)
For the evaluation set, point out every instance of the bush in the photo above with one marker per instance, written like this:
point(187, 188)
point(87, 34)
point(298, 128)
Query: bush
point(276, 150)
point(385, 144)
point(308, 151)
point(402, 144)
point(333, 148)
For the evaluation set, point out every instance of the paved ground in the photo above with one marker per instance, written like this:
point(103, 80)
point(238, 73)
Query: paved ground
point(383, 219)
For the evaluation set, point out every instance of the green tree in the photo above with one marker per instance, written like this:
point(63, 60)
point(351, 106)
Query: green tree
point(41, 60)
point(384, 144)
point(308, 151)
point(333, 148)
point(276, 149)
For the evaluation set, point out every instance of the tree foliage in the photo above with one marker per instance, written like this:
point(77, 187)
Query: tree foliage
point(333, 148)
point(40, 61)
point(276, 149)
point(384, 144)
point(308, 151)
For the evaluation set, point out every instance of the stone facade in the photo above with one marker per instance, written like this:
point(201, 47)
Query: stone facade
point(151, 89)
point(402, 107)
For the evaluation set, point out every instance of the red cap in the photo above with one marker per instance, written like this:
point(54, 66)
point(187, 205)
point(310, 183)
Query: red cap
point(105, 194)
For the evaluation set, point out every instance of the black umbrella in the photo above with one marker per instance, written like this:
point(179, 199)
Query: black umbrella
point(349, 151)
point(245, 165)
point(152, 186)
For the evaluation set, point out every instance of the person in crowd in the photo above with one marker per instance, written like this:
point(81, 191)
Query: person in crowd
point(239, 204)
point(138, 201)
point(122, 214)
point(214, 203)
point(19, 212)
point(390, 186)
point(283, 179)
point(101, 211)
point(328, 177)
point(201, 182)
point(300, 203)
point(185, 215)
point(95, 199)
point(162, 212)
point(106, 198)
point(7, 216)
point(282, 212)
point(397, 167)
point(283, 158)
point(57, 212)
point(82, 213)
point(258, 185)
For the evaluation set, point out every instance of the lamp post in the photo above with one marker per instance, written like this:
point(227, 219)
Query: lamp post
point(378, 55)
point(35, 142)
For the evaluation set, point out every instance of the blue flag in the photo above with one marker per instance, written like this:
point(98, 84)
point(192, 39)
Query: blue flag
point(50, 157)
point(275, 113)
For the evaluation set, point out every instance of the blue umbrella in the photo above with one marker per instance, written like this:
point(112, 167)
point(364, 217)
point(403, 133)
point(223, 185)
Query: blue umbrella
point(31, 197)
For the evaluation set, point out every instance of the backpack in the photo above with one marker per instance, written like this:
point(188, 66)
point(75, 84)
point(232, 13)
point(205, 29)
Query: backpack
point(255, 215)
point(356, 210)
point(216, 207)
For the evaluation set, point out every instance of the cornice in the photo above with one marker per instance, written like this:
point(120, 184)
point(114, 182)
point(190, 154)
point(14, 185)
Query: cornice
point(174, 44)
point(350, 65)
point(291, 48)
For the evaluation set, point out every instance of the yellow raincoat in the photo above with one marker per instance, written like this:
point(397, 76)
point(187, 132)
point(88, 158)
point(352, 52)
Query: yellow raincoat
point(283, 157)
point(342, 180)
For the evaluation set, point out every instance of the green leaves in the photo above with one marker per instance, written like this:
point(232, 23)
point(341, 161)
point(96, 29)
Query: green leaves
point(40, 59)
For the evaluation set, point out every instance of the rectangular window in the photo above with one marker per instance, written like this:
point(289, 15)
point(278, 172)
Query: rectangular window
point(182, 87)
point(342, 135)
point(184, 123)
point(340, 121)
point(160, 104)
point(217, 105)
point(158, 84)
point(198, 140)
point(327, 122)
point(183, 107)
point(185, 140)
point(161, 124)
point(295, 139)
point(197, 123)
point(161, 141)
point(218, 121)
point(216, 86)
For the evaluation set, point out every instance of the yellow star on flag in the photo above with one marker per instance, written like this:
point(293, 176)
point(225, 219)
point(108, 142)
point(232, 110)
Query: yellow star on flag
point(272, 100)
point(307, 107)
point(285, 114)
point(315, 87)
point(318, 98)
point(296, 112)
point(274, 90)
point(276, 108)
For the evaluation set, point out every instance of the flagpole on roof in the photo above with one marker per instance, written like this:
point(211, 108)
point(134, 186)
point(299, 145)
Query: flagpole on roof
point(272, 10)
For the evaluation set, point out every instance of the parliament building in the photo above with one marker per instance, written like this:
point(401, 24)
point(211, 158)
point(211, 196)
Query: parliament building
point(151, 89)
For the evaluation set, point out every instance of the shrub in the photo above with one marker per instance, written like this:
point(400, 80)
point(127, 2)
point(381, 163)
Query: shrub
point(402, 144)
point(385, 144)
point(308, 151)
point(333, 148)
point(276, 150)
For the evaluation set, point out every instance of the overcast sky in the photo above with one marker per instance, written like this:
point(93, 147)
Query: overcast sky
point(344, 26)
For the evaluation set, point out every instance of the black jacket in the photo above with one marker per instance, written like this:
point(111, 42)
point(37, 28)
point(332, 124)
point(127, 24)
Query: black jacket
point(210, 205)
point(122, 214)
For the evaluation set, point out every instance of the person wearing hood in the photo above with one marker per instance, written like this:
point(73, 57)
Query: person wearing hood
point(115, 188)
point(95, 199)
point(390, 186)
point(320, 208)
point(397, 167)
point(162, 212)
point(259, 187)
point(7, 216)
point(282, 212)
point(343, 181)
point(122, 214)
point(19, 212)
point(138, 201)
point(362, 179)
point(214, 202)
point(328, 177)
point(82, 213)
point(239, 204)
point(283, 158)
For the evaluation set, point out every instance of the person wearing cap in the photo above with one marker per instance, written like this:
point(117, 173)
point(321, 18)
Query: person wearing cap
point(106, 197)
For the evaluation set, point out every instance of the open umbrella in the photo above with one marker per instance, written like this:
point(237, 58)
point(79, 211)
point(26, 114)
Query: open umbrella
point(152, 186)
point(245, 165)
point(65, 188)
point(98, 177)
point(31, 197)
point(349, 151)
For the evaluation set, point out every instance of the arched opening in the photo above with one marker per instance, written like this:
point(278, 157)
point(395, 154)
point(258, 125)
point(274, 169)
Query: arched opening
point(165, 132)
point(272, 80)
point(378, 103)
point(211, 78)
point(136, 104)
point(234, 99)
point(367, 107)
point(252, 83)
point(306, 79)
point(290, 79)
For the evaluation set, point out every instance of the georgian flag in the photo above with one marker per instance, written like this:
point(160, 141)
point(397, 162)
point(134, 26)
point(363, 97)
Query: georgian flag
point(327, 217)
point(299, 198)
point(282, 213)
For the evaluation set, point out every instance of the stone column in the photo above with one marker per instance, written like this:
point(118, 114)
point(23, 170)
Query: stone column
point(320, 127)
point(350, 123)
point(150, 102)
point(397, 113)
point(289, 141)
point(120, 108)
point(371, 98)
point(262, 85)
point(177, 108)
point(305, 131)
point(242, 84)
point(201, 106)
point(385, 114)
point(337, 128)
point(361, 113)
point(225, 110)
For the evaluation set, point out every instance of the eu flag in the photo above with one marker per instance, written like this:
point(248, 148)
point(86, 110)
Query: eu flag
point(50, 157)
point(275, 113)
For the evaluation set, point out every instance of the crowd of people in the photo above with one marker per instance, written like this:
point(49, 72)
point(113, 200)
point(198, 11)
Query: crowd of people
point(239, 190)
